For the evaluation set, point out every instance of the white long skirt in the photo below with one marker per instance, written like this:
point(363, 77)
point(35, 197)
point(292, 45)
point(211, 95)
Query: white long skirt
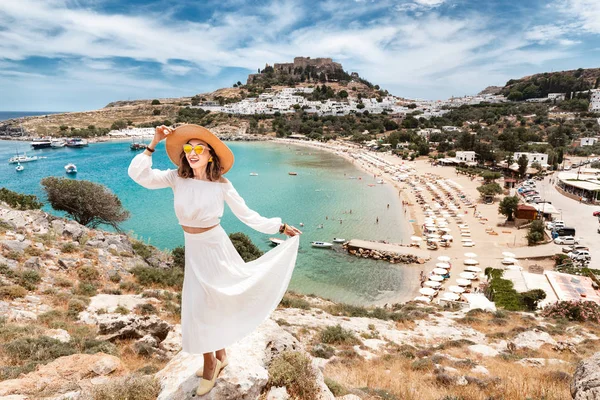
point(224, 298)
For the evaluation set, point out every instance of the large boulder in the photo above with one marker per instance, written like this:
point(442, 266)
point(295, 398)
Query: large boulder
point(62, 374)
point(116, 326)
point(533, 339)
point(586, 379)
point(246, 375)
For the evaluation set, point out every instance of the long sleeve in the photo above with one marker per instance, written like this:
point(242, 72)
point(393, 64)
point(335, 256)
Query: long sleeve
point(140, 170)
point(251, 218)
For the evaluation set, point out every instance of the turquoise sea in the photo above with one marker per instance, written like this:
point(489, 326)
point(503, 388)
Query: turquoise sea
point(4, 115)
point(322, 193)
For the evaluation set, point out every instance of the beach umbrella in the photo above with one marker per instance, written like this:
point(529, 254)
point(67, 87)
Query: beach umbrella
point(433, 284)
point(451, 296)
point(456, 289)
point(427, 291)
point(463, 282)
point(433, 235)
point(467, 275)
point(508, 254)
point(465, 240)
point(445, 229)
point(466, 234)
point(423, 299)
point(436, 278)
point(470, 255)
point(471, 268)
point(447, 237)
point(443, 258)
point(416, 238)
point(509, 260)
point(443, 265)
point(433, 240)
point(468, 244)
point(470, 261)
point(440, 271)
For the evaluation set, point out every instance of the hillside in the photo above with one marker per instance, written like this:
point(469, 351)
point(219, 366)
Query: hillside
point(539, 85)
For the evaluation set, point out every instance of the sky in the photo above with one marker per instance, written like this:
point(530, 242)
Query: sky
point(74, 55)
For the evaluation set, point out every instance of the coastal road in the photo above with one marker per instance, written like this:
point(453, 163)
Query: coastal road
point(576, 215)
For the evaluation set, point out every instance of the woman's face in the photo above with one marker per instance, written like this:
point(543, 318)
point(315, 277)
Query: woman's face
point(198, 161)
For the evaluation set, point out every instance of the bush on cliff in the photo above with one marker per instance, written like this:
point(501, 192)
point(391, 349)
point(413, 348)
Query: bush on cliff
point(20, 201)
point(294, 371)
point(88, 203)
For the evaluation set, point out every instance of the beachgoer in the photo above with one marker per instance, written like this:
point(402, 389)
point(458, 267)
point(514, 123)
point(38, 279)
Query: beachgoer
point(223, 298)
point(326, 217)
point(340, 221)
point(388, 206)
point(377, 220)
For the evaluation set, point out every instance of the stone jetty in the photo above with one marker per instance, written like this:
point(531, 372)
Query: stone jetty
point(394, 253)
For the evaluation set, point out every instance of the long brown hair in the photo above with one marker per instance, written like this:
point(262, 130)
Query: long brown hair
point(213, 168)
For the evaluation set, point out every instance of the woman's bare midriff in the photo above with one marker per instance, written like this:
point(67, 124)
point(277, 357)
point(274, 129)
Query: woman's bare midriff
point(191, 229)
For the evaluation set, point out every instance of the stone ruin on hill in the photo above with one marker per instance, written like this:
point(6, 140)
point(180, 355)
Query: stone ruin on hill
point(304, 69)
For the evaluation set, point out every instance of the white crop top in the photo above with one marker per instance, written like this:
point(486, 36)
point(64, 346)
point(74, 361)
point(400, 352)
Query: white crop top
point(199, 203)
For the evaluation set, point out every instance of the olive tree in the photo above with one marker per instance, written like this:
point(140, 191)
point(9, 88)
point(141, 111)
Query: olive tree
point(508, 207)
point(88, 203)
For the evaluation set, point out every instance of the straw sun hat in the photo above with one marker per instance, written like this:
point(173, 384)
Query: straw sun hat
point(185, 133)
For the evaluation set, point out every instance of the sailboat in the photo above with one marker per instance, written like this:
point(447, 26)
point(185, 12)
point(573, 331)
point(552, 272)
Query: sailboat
point(135, 145)
point(19, 167)
point(22, 158)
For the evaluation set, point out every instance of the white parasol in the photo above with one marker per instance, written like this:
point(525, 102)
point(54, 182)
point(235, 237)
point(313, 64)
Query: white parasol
point(440, 271)
point(416, 238)
point(470, 261)
point(471, 268)
point(508, 254)
point(509, 261)
point(467, 275)
point(451, 296)
point(424, 299)
point(427, 291)
point(436, 278)
point(463, 282)
point(456, 289)
point(443, 265)
point(470, 255)
point(443, 258)
point(433, 284)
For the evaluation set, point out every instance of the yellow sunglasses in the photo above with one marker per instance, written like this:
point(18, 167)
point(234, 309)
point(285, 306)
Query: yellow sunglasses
point(198, 149)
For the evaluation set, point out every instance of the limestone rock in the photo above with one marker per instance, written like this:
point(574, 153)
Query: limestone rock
point(67, 263)
point(278, 393)
point(586, 379)
point(74, 230)
point(349, 397)
point(58, 334)
point(62, 374)
point(480, 369)
point(110, 302)
point(33, 262)
point(116, 326)
point(539, 362)
point(172, 343)
point(484, 350)
point(15, 245)
point(533, 339)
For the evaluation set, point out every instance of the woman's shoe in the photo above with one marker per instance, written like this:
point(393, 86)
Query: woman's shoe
point(224, 363)
point(207, 385)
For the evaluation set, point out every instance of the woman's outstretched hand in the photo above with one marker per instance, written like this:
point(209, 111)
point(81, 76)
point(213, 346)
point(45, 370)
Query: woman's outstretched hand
point(291, 231)
point(161, 132)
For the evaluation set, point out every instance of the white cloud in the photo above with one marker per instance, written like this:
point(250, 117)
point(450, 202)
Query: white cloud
point(585, 12)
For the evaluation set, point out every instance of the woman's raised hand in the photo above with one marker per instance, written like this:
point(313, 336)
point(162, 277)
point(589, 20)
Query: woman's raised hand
point(291, 231)
point(162, 132)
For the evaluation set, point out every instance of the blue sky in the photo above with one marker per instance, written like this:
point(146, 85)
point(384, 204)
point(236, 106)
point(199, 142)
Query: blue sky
point(71, 55)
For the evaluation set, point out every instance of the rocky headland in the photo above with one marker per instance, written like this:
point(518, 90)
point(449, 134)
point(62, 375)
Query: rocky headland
point(90, 314)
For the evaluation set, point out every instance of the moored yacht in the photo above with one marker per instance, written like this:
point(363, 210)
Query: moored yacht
point(76, 142)
point(41, 143)
point(57, 143)
point(22, 158)
point(71, 168)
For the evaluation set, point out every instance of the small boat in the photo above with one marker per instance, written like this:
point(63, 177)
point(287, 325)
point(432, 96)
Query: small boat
point(19, 167)
point(338, 240)
point(276, 241)
point(135, 145)
point(292, 173)
point(323, 245)
point(71, 168)
point(76, 142)
point(253, 174)
point(380, 181)
point(57, 143)
point(22, 158)
point(41, 143)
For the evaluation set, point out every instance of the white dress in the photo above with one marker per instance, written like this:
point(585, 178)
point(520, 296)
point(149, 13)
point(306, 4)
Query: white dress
point(223, 297)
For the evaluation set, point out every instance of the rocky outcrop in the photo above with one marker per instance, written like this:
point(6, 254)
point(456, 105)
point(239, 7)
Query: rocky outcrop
point(247, 373)
point(586, 380)
point(63, 374)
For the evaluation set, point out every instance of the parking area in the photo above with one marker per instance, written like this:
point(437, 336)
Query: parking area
point(576, 215)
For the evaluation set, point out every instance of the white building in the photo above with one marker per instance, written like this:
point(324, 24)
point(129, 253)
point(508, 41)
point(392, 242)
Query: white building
point(466, 156)
point(595, 100)
point(587, 141)
point(540, 158)
point(556, 96)
point(450, 128)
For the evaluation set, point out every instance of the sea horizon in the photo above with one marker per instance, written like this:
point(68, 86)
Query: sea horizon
point(6, 115)
point(322, 194)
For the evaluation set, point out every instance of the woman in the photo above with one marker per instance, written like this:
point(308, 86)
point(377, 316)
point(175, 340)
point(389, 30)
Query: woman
point(223, 298)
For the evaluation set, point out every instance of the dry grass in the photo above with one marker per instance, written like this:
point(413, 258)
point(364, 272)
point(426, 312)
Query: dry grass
point(408, 379)
point(133, 361)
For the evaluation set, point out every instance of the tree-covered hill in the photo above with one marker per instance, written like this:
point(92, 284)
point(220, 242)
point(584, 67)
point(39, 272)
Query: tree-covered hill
point(539, 85)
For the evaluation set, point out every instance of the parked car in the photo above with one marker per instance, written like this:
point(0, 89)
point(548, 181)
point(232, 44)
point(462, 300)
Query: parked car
point(566, 240)
point(596, 213)
point(574, 247)
point(557, 223)
point(580, 255)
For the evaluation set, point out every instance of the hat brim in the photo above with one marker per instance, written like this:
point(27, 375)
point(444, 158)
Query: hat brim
point(183, 134)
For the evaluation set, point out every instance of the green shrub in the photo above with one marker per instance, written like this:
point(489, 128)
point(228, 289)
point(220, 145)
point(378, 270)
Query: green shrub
point(68, 248)
point(294, 371)
point(38, 349)
point(129, 286)
point(146, 309)
point(155, 102)
point(178, 254)
point(74, 307)
point(12, 292)
point(172, 277)
point(85, 289)
point(531, 298)
point(122, 310)
point(62, 282)
point(535, 234)
point(338, 335)
point(422, 364)
point(115, 277)
point(244, 246)
point(322, 351)
point(87, 273)
point(20, 201)
point(337, 389)
point(141, 249)
point(29, 279)
point(502, 292)
point(294, 302)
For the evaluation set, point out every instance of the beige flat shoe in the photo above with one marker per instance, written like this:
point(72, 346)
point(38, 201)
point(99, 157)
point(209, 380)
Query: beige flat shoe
point(207, 385)
point(224, 363)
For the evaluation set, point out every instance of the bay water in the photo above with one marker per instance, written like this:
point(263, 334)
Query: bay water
point(320, 196)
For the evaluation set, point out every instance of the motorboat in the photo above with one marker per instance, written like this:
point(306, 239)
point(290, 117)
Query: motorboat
point(76, 142)
point(276, 241)
point(380, 181)
point(71, 168)
point(253, 174)
point(137, 146)
point(338, 240)
point(19, 167)
point(22, 158)
point(57, 143)
point(323, 245)
point(292, 173)
point(41, 143)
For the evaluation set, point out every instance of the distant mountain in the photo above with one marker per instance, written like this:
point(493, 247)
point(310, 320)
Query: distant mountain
point(539, 85)
point(490, 90)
